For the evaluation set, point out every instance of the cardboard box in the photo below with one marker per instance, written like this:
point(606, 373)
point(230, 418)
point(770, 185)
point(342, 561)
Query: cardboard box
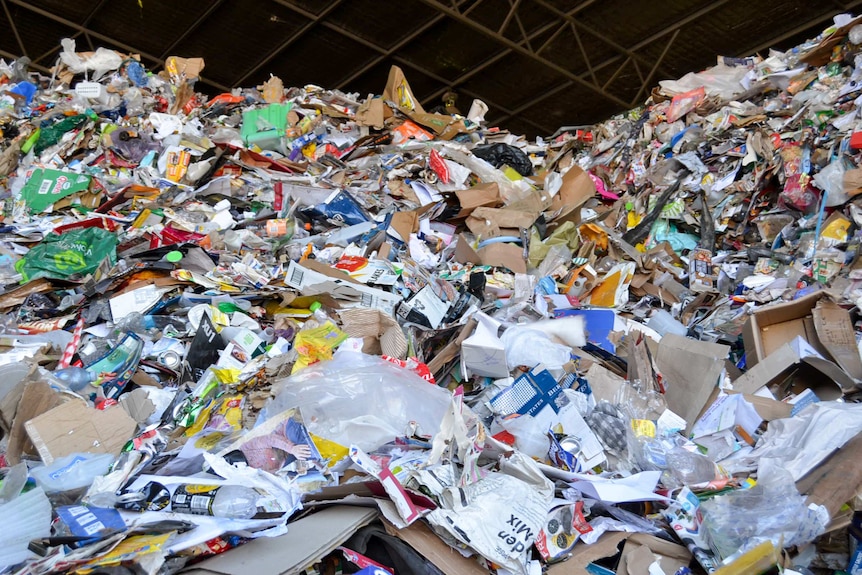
point(307, 541)
point(822, 323)
point(794, 367)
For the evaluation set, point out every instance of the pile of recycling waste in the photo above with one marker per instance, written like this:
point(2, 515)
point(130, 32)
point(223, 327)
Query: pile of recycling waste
point(293, 326)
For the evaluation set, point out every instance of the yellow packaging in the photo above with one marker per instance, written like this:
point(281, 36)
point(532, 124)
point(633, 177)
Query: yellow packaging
point(129, 550)
point(317, 344)
point(643, 427)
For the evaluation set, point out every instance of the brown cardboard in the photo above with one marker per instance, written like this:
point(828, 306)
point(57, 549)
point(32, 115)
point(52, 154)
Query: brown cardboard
point(853, 182)
point(420, 537)
point(583, 555)
point(75, 427)
point(787, 365)
point(691, 369)
point(770, 327)
point(640, 550)
point(632, 557)
point(506, 255)
point(487, 195)
point(370, 113)
point(835, 331)
point(405, 223)
point(307, 541)
point(577, 188)
point(187, 68)
point(464, 252)
point(505, 218)
point(398, 91)
point(37, 398)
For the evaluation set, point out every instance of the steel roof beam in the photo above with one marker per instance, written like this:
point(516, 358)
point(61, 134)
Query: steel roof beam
point(457, 16)
point(314, 21)
point(102, 37)
point(191, 28)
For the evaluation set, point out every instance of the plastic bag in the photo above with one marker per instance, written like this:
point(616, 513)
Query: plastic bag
point(530, 347)
point(505, 155)
point(360, 399)
point(771, 510)
point(74, 253)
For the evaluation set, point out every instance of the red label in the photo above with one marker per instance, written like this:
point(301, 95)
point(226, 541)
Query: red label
point(440, 167)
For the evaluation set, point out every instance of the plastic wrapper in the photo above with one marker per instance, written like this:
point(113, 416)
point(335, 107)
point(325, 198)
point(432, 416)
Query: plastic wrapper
point(360, 399)
point(772, 510)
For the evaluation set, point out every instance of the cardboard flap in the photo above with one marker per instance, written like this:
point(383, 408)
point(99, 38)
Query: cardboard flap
point(692, 369)
point(480, 195)
point(835, 331)
point(308, 541)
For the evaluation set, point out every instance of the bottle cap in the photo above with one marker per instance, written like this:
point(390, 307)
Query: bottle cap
point(315, 306)
point(174, 256)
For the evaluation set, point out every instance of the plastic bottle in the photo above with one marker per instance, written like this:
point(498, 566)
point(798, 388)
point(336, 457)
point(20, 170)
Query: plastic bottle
point(229, 501)
point(77, 378)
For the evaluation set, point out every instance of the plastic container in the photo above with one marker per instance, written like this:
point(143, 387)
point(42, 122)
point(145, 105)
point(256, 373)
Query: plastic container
point(664, 323)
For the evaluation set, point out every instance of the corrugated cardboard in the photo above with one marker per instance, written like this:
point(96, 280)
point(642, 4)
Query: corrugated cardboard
point(307, 541)
point(809, 373)
point(75, 427)
point(420, 537)
point(37, 398)
point(770, 327)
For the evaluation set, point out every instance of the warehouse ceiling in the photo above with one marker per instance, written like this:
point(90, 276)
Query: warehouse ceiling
point(538, 64)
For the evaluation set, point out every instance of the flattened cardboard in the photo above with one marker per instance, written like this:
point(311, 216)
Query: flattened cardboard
point(812, 369)
point(505, 218)
point(481, 195)
point(691, 369)
point(307, 541)
point(577, 188)
point(420, 537)
point(74, 427)
point(506, 255)
point(370, 113)
point(464, 252)
point(607, 546)
point(38, 398)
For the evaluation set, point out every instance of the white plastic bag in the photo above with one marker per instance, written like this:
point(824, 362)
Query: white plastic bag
point(360, 399)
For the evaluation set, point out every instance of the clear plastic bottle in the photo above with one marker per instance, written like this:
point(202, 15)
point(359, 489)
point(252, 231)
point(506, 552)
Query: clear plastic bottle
point(229, 501)
point(77, 378)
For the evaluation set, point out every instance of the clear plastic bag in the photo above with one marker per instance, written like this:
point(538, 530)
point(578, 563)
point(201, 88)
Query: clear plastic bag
point(360, 399)
point(773, 510)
